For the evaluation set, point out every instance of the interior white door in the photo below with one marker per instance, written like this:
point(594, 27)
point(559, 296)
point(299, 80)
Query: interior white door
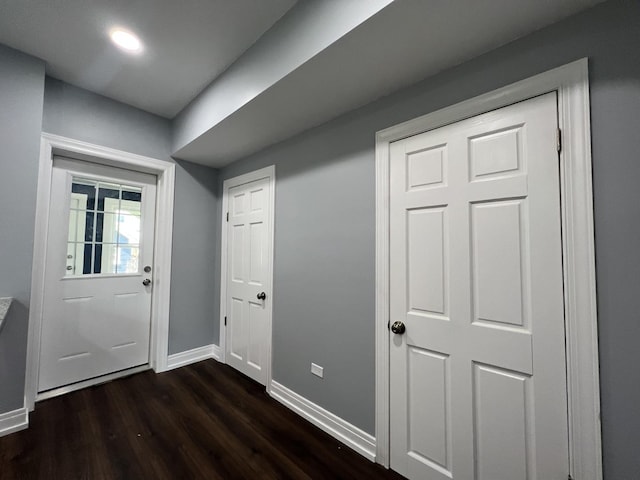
point(478, 379)
point(97, 311)
point(248, 278)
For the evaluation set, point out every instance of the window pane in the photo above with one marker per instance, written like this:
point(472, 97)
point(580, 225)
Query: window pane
point(87, 256)
point(131, 199)
point(128, 229)
point(77, 225)
point(108, 197)
point(81, 226)
point(83, 194)
point(89, 226)
point(129, 207)
point(111, 204)
point(104, 228)
point(105, 258)
point(128, 259)
point(131, 193)
point(78, 201)
point(107, 228)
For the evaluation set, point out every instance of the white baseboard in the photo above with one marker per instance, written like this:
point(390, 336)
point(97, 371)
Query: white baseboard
point(350, 435)
point(13, 421)
point(217, 353)
point(192, 356)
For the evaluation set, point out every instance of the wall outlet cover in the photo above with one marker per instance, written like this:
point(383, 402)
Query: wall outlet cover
point(317, 370)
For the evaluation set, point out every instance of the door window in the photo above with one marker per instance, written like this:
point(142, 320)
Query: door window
point(104, 228)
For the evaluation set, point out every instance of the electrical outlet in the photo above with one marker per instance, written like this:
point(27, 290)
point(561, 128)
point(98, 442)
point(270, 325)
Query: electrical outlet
point(317, 370)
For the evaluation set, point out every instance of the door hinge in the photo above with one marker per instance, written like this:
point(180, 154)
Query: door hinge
point(227, 216)
point(559, 140)
point(389, 325)
point(225, 321)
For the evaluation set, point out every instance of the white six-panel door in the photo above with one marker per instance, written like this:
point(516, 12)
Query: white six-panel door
point(248, 282)
point(96, 318)
point(478, 379)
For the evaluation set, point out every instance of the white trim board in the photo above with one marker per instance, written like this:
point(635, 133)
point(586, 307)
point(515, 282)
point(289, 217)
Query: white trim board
point(572, 84)
point(14, 421)
point(217, 353)
point(192, 356)
point(350, 435)
point(265, 172)
point(51, 145)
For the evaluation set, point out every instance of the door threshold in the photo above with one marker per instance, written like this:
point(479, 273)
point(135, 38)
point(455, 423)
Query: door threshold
point(56, 392)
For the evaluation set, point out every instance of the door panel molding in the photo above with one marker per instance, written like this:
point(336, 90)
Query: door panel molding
point(572, 85)
point(270, 173)
point(54, 145)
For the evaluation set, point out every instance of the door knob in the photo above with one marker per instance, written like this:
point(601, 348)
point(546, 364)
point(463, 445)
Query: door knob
point(146, 282)
point(398, 328)
point(262, 296)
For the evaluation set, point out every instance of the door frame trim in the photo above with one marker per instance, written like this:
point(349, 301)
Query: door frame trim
point(571, 82)
point(266, 172)
point(51, 145)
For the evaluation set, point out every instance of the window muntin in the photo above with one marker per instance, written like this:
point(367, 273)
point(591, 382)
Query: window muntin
point(104, 228)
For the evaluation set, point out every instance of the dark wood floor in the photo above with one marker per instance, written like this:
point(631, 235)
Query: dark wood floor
point(204, 421)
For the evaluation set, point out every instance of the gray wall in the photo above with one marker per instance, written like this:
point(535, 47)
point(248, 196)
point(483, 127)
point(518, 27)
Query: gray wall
point(195, 287)
point(81, 115)
point(76, 113)
point(323, 308)
point(21, 93)
point(324, 230)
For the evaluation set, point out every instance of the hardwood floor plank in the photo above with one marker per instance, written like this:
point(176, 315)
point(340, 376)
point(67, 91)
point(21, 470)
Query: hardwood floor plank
point(265, 458)
point(203, 421)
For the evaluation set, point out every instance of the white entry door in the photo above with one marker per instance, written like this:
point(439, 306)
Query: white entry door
point(478, 377)
point(248, 282)
point(97, 298)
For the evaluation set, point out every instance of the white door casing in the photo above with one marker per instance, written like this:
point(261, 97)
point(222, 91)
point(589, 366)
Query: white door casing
point(571, 84)
point(96, 323)
point(52, 145)
point(246, 298)
point(478, 378)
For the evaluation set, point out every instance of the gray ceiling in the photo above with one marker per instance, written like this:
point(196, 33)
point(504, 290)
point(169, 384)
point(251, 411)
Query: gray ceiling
point(188, 43)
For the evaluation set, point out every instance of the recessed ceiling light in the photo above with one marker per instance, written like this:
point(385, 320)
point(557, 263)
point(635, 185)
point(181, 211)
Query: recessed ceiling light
point(125, 40)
